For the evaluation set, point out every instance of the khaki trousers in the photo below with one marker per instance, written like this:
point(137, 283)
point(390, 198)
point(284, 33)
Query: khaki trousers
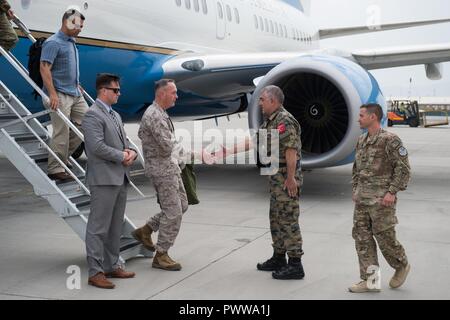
point(65, 141)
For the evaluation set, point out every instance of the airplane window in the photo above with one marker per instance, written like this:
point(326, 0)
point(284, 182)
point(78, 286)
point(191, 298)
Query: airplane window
point(178, 2)
point(261, 23)
point(271, 26)
point(205, 7)
point(187, 4)
point(256, 21)
point(196, 6)
point(228, 13)
point(266, 24)
point(236, 13)
point(220, 9)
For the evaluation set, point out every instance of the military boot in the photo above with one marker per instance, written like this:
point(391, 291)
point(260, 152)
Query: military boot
point(163, 261)
point(276, 262)
point(399, 277)
point(362, 287)
point(144, 236)
point(293, 270)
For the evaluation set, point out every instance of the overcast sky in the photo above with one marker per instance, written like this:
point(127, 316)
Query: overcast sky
point(395, 81)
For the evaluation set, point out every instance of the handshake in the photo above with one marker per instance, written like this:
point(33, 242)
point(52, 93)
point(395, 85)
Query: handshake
point(214, 154)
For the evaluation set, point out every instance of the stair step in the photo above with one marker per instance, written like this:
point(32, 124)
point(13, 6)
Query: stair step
point(39, 157)
point(69, 188)
point(7, 97)
point(60, 183)
point(4, 109)
point(6, 117)
point(128, 243)
point(81, 201)
point(21, 137)
point(73, 191)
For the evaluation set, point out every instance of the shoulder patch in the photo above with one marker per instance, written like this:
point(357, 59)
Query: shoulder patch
point(281, 128)
point(402, 151)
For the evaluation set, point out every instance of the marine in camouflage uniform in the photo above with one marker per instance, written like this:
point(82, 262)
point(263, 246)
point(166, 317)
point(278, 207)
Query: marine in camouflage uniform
point(284, 209)
point(8, 38)
point(158, 142)
point(381, 166)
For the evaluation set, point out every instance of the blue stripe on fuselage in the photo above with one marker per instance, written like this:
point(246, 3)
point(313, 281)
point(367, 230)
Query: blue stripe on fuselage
point(138, 70)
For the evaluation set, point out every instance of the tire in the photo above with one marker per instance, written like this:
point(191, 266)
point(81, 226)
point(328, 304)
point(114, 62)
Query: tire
point(77, 153)
point(414, 122)
point(390, 123)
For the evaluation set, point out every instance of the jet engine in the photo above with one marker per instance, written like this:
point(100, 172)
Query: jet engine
point(324, 93)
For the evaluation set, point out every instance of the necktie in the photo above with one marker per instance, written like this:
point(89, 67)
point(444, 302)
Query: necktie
point(116, 122)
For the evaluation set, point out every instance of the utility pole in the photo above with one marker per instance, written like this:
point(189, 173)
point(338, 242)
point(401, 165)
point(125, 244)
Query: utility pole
point(410, 86)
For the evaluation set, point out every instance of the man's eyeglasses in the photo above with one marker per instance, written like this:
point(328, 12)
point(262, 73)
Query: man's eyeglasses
point(116, 90)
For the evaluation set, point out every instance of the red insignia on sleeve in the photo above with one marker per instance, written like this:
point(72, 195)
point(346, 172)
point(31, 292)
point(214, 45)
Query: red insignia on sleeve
point(281, 128)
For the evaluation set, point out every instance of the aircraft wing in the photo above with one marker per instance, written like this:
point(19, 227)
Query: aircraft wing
point(348, 31)
point(234, 73)
point(402, 56)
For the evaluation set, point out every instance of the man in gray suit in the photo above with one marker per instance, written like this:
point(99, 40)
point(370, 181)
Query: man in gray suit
point(109, 158)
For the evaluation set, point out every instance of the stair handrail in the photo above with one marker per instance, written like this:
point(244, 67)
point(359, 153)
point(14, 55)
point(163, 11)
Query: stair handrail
point(25, 74)
point(81, 184)
point(27, 32)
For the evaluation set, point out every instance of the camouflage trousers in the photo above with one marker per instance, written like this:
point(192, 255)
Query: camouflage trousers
point(284, 215)
point(378, 222)
point(8, 37)
point(173, 202)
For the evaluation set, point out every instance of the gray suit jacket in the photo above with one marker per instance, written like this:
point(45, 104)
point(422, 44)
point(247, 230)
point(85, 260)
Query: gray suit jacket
point(104, 148)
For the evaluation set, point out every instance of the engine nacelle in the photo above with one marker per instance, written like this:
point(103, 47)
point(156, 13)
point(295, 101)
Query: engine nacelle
point(324, 93)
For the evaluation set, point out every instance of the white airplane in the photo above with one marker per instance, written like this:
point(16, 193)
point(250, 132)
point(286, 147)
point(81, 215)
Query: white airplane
point(221, 53)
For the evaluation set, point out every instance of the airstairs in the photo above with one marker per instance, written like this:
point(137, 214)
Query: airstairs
point(24, 140)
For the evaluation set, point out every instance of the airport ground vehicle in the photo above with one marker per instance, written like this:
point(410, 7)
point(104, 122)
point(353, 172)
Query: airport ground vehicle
point(404, 112)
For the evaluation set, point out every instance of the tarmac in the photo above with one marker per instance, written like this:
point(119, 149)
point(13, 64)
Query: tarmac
point(223, 237)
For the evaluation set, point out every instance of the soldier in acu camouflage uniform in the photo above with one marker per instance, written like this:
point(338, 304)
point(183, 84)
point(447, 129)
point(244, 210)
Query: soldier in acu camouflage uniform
point(380, 170)
point(8, 38)
point(158, 142)
point(285, 186)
